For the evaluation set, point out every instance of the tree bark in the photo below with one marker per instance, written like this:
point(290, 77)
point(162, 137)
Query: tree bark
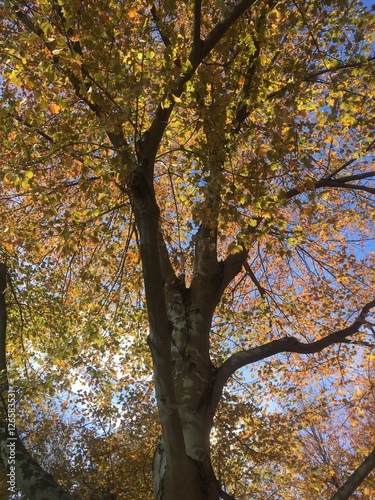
point(190, 311)
point(192, 373)
point(23, 472)
point(30, 478)
point(359, 475)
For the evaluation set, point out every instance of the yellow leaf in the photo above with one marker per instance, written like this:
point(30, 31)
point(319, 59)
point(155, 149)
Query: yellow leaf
point(132, 13)
point(54, 108)
point(344, 280)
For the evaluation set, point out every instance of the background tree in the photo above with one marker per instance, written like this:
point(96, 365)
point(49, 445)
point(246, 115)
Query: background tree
point(200, 175)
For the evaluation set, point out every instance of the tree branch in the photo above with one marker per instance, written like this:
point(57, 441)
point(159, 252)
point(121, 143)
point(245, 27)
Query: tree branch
point(34, 482)
point(30, 477)
point(286, 344)
point(160, 28)
point(355, 177)
point(155, 266)
point(340, 182)
point(197, 24)
point(205, 259)
point(217, 33)
point(355, 479)
point(74, 80)
point(168, 272)
point(313, 76)
point(28, 125)
point(197, 55)
point(344, 185)
point(262, 291)
point(116, 138)
point(147, 216)
point(230, 268)
point(338, 67)
point(242, 111)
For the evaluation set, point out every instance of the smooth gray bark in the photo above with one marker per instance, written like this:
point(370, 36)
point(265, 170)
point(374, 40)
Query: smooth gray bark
point(23, 472)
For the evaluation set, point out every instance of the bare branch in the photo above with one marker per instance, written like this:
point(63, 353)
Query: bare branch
point(19, 119)
point(355, 479)
point(286, 344)
point(338, 67)
point(340, 182)
point(262, 291)
point(313, 77)
point(355, 177)
point(344, 185)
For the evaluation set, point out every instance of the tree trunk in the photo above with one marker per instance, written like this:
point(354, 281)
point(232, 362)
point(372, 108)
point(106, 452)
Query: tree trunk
point(196, 481)
point(193, 375)
point(25, 474)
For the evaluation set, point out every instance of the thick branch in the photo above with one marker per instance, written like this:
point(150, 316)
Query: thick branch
point(286, 344)
point(197, 55)
point(207, 276)
point(217, 33)
point(162, 31)
point(155, 266)
point(205, 258)
point(167, 270)
point(231, 267)
point(359, 475)
point(197, 24)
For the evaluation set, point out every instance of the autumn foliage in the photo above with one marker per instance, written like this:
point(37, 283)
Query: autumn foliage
point(187, 215)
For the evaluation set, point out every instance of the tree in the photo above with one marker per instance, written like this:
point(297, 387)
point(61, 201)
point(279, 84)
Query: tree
point(207, 166)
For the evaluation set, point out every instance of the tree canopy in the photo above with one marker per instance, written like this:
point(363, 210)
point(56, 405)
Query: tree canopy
point(187, 247)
